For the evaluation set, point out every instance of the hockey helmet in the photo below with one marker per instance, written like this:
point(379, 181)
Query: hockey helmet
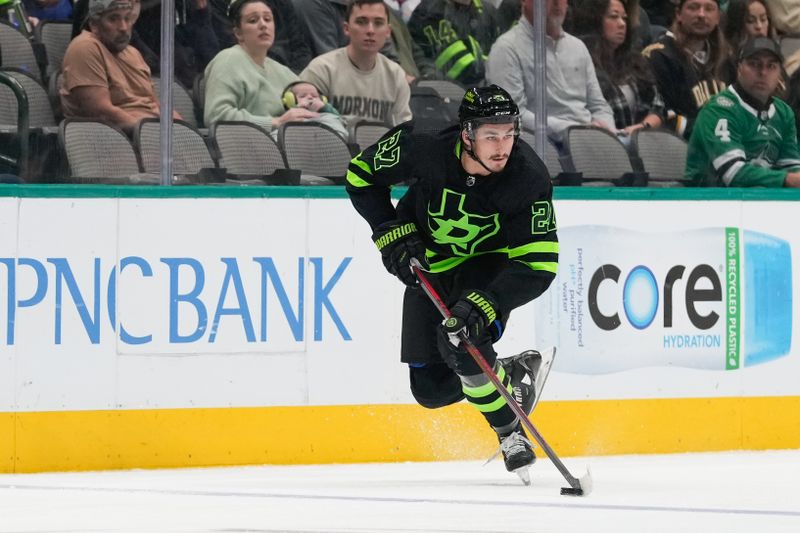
point(487, 105)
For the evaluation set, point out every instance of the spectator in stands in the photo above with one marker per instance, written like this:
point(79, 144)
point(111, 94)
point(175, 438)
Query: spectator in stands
point(60, 10)
point(691, 62)
point(625, 77)
point(585, 23)
point(306, 95)
point(319, 17)
point(744, 136)
point(785, 16)
point(195, 42)
point(363, 83)
point(104, 78)
point(573, 92)
point(747, 18)
point(454, 35)
point(291, 46)
point(242, 83)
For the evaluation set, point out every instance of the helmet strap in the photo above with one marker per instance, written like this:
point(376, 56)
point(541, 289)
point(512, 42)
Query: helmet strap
point(470, 152)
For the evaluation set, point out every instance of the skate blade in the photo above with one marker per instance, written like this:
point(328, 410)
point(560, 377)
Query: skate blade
point(524, 475)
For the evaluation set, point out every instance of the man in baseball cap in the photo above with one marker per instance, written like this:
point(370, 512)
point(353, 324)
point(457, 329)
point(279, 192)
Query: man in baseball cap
point(104, 78)
point(745, 137)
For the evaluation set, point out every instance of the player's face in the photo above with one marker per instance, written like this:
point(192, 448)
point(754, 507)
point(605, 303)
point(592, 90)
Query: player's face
point(756, 22)
point(759, 75)
point(256, 29)
point(698, 18)
point(615, 23)
point(368, 28)
point(114, 29)
point(493, 143)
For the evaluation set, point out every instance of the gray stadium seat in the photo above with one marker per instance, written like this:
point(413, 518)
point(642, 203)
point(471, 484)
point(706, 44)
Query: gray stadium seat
point(315, 150)
point(190, 154)
point(181, 101)
point(17, 50)
point(663, 156)
point(246, 149)
point(96, 150)
point(600, 156)
point(366, 133)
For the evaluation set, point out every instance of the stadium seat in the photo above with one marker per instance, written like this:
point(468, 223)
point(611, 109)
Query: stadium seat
point(600, 156)
point(315, 150)
point(663, 156)
point(55, 37)
point(249, 152)
point(190, 153)
point(14, 151)
point(551, 159)
point(17, 50)
point(181, 101)
point(97, 152)
point(366, 133)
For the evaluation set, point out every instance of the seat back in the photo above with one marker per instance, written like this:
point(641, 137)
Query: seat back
point(181, 100)
point(446, 89)
point(13, 97)
point(429, 111)
point(663, 156)
point(598, 154)
point(97, 150)
point(17, 50)
point(551, 159)
point(190, 153)
point(55, 36)
point(315, 149)
point(246, 149)
point(40, 112)
point(366, 133)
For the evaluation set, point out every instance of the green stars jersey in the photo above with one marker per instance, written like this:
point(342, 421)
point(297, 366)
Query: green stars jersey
point(735, 145)
point(460, 216)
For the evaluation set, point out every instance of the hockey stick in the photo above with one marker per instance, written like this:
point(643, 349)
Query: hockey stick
point(577, 487)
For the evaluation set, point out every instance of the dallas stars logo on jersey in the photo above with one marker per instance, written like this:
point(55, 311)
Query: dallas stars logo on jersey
point(455, 227)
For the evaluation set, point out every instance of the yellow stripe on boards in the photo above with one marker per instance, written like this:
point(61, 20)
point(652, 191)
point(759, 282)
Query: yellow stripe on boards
point(99, 440)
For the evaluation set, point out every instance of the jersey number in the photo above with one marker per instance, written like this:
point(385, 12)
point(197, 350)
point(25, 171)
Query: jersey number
point(388, 154)
point(543, 219)
point(721, 130)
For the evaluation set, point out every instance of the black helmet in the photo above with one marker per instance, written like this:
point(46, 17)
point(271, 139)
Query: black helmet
point(482, 105)
point(487, 103)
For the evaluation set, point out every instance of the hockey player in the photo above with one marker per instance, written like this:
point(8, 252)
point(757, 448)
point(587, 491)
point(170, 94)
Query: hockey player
point(478, 215)
point(744, 136)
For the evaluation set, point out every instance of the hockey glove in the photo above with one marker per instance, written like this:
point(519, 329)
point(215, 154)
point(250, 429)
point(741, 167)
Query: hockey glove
point(398, 242)
point(473, 313)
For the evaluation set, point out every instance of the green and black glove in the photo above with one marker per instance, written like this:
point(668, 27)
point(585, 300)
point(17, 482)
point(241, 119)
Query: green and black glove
point(398, 242)
point(473, 313)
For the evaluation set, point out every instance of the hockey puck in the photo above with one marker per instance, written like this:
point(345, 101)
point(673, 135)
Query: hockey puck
point(569, 491)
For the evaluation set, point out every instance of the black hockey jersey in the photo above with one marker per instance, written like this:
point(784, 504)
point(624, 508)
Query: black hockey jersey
point(455, 39)
point(460, 216)
point(686, 85)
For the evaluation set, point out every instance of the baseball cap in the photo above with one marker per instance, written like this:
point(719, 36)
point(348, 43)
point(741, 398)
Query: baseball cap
point(98, 7)
point(760, 44)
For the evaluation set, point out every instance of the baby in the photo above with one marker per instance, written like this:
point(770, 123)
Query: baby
point(306, 95)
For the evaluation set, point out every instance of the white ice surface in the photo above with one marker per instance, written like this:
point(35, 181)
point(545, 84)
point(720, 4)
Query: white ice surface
point(748, 492)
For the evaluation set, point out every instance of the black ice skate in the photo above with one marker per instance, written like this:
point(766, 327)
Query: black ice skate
point(528, 372)
point(518, 453)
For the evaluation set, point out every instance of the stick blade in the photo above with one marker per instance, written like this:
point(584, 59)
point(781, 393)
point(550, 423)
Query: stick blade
point(585, 486)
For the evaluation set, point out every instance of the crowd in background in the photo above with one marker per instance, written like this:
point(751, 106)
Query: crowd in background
point(619, 65)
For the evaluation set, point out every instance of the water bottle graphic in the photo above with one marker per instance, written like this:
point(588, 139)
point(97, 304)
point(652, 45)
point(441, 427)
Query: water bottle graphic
point(709, 298)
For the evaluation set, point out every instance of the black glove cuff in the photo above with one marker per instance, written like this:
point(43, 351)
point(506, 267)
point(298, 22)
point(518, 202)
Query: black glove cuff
point(398, 232)
point(483, 303)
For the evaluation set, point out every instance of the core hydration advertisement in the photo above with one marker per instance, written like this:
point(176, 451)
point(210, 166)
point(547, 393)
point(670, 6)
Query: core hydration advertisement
point(709, 298)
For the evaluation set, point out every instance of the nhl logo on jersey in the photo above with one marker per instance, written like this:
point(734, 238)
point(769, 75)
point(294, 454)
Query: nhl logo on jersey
point(470, 181)
point(724, 101)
